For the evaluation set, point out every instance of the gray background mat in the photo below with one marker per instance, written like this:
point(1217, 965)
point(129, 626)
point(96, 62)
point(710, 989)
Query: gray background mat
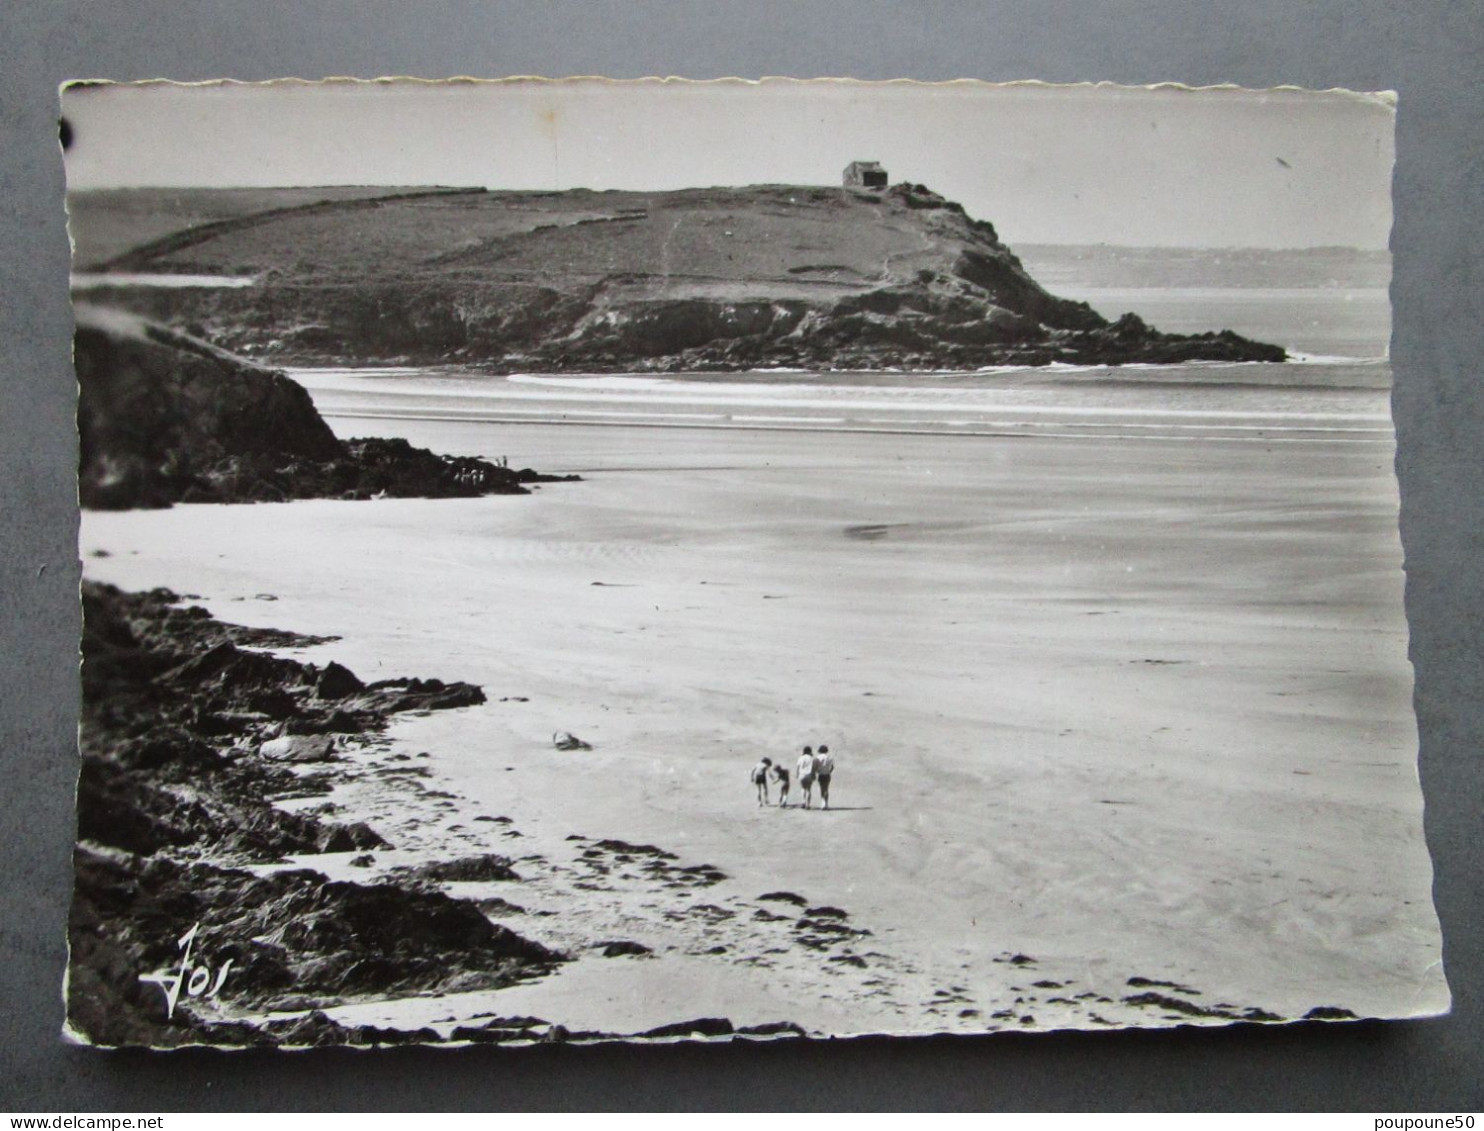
point(1429, 52)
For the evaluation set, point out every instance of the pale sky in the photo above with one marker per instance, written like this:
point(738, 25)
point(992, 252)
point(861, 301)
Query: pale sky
point(1070, 164)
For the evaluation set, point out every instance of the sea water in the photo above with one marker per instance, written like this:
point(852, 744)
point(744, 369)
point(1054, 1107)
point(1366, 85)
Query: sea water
point(1335, 387)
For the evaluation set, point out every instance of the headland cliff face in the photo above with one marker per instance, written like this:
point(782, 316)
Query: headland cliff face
point(164, 417)
point(695, 279)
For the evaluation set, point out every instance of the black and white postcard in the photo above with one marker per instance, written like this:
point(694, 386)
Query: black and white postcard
point(583, 560)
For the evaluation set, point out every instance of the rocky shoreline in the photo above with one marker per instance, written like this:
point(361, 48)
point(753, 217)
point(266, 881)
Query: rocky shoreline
point(191, 737)
point(200, 915)
point(166, 417)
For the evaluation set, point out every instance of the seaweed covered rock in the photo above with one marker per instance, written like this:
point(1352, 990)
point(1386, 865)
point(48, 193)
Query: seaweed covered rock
point(184, 756)
point(283, 940)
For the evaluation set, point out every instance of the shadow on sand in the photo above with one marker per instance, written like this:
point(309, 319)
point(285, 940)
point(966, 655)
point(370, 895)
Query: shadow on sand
point(831, 809)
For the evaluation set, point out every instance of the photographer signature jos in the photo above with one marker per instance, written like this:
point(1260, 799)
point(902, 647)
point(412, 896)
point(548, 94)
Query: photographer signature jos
point(194, 977)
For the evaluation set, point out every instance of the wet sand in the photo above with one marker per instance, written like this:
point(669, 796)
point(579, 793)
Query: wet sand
point(1131, 709)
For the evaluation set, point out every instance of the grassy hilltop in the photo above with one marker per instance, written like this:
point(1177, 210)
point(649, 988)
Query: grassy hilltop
point(718, 278)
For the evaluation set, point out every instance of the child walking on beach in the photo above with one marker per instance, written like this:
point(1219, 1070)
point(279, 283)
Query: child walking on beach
point(760, 779)
point(780, 771)
point(805, 770)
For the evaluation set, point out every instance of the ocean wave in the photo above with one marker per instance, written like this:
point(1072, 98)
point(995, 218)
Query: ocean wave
point(368, 372)
point(1058, 430)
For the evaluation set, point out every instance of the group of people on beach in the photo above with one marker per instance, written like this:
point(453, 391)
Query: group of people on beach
point(812, 768)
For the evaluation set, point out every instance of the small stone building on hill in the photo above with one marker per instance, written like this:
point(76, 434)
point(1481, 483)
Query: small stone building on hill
point(865, 174)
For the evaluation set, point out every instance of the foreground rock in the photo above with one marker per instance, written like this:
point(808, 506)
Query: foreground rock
point(292, 939)
point(166, 417)
point(699, 279)
point(182, 728)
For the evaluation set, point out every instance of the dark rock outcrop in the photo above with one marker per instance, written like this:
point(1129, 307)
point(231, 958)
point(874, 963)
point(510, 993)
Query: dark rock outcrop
point(164, 416)
point(290, 937)
point(772, 1029)
point(159, 410)
point(700, 1027)
point(620, 948)
point(181, 724)
point(465, 869)
point(170, 690)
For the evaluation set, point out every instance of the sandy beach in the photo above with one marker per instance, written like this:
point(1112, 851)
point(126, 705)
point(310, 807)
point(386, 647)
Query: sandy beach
point(1105, 707)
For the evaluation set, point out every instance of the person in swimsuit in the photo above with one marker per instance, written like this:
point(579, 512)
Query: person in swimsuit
point(760, 779)
point(805, 770)
point(824, 769)
point(780, 771)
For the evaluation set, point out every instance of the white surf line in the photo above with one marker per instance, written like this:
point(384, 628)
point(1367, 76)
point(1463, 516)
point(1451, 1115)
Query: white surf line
point(828, 378)
point(1213, 422)
point(535, 416)
point(1121, 424)
point(836, 404)
point(690, 381)
point(634, 420)
point(369, 372)
point(476, 414)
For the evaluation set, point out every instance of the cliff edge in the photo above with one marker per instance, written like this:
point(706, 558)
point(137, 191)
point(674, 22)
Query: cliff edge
point(165, 417)
point(582, 281)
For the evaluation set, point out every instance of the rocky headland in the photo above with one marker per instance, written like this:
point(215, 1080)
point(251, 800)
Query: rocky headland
point(165, 416)
point(806, 277)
